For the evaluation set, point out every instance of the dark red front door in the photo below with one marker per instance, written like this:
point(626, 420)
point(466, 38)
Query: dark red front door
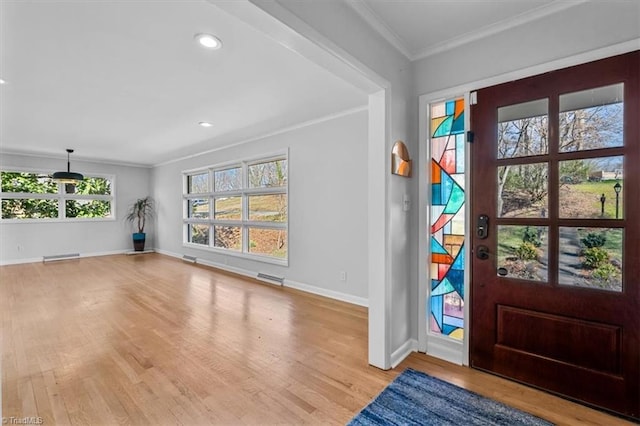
point(556, 280)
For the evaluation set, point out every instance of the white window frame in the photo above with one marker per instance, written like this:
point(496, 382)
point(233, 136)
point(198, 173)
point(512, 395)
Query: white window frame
point(61, 197)
point(244, 193)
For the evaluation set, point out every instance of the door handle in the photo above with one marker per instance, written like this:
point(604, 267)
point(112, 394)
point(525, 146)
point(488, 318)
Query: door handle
point(482, 252)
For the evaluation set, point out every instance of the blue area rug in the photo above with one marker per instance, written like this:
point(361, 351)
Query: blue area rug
point(415, 398)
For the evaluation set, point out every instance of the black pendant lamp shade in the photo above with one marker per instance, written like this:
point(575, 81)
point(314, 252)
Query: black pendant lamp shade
point(68, 176)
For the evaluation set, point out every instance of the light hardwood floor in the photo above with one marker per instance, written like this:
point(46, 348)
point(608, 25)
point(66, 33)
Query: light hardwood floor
point(152, 340)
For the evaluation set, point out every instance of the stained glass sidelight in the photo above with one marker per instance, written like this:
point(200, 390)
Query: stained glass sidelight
point(446, 304)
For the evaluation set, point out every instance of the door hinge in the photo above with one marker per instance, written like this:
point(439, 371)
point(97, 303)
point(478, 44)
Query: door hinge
point(473, 98)
point(470, 136)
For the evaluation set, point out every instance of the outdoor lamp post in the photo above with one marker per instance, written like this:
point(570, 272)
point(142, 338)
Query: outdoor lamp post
point(617, 187)
point(602, 200)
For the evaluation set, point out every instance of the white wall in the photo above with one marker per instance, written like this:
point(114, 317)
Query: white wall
point(327, 205)
point(339, 23)
point(84, 237)
point(573, 31)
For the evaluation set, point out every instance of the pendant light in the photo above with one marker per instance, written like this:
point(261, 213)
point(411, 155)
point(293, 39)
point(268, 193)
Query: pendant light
point(68, 176)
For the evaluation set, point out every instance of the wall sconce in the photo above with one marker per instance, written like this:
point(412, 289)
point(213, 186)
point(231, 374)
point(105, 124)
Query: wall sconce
point(400, 161)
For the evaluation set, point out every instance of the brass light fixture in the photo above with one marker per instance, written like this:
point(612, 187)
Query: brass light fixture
point(68, 176)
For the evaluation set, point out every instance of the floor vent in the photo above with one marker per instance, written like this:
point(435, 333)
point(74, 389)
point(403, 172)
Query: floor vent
point(272, 279)
point(60, 257)
point(188, 258)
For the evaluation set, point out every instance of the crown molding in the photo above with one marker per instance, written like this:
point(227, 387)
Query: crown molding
point(381, 27)
point(280, 131)
point(75, 158)
point(498, 27)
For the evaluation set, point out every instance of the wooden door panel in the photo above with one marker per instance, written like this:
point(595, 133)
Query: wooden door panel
point(580, 342)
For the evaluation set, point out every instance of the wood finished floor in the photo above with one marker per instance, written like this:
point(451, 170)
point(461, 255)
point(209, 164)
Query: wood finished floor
point(152, 340)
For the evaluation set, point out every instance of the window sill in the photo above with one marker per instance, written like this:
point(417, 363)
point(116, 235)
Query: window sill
point(57, 220)
point(248, 256)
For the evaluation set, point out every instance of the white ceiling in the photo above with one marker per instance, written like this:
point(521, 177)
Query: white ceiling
point(124, 81)
point(420, 28)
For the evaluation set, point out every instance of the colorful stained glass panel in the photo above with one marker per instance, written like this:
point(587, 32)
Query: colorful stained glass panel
point(447, 146)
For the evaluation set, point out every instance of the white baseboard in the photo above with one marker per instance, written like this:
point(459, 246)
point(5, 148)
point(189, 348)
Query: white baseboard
point(403, 351)
point(20, 261)
point(447, 350)
point(39, 259)
point(331, 294)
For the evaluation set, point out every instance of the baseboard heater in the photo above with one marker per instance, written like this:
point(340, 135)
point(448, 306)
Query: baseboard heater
point(60, 257)
point(271, 279)
point(188, 258)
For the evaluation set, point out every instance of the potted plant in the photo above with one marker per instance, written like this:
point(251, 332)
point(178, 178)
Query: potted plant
point(139, 212)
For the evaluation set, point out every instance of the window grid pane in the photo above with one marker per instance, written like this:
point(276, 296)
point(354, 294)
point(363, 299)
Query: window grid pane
point(269, 208)
point(26, 208)
point(268, 174)
point(270, 242)
point(228, 208)
point(32, 183)
point(90, 198)
point(198, 184)
point(198, 234)
point(228, 237)
point(228, 180)
point(260, 197)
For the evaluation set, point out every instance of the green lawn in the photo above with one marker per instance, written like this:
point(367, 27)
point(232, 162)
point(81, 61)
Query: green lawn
point(591, 192)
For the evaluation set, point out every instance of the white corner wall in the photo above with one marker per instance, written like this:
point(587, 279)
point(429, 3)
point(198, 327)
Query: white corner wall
point(38, 239)
point(353, 38)
point(327, 206)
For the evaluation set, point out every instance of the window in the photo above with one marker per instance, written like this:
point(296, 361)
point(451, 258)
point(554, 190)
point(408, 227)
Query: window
point(32, 195)
point(447, 218)
point(241, 209)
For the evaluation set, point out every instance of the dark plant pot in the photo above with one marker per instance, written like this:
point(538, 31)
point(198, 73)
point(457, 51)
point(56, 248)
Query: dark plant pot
point(138, 241)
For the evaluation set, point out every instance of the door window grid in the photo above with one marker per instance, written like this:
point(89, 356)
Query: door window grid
point(588, 186)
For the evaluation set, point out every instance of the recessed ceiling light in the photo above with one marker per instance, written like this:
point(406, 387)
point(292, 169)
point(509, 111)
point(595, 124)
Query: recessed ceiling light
point(209, 41)
point(205, 124)
point(3, 81)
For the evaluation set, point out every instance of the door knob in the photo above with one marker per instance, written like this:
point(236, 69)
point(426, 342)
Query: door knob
point(482, 252)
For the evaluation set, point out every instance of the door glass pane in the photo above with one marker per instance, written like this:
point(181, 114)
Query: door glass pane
point(592, 188)
point(523, 129)
point(269, 242)
point(229, 208)
point(591, 257)
point(523, 190)
point(271, 208)
point(592, 119)
point(523, 252)
point(228, 237)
